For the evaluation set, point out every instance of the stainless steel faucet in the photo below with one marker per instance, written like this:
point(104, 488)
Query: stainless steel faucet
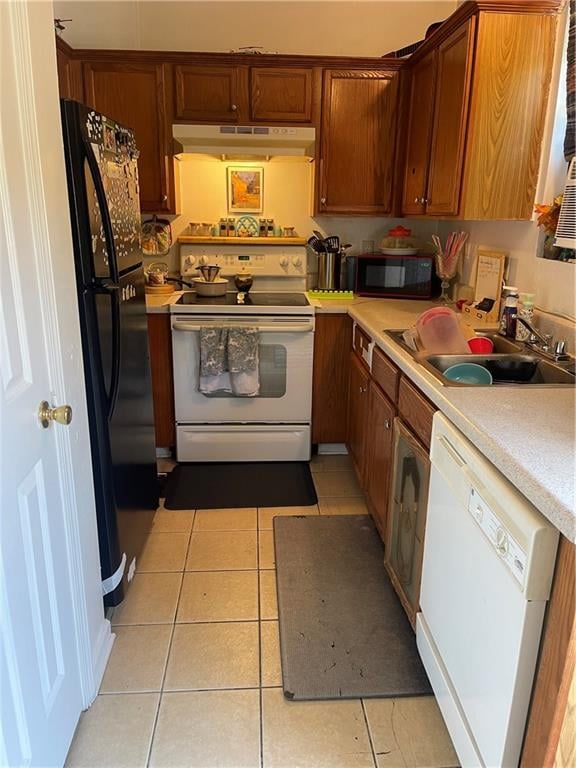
point(542, 342)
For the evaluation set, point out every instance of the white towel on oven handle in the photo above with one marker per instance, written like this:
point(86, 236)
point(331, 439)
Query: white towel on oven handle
point(219, 382)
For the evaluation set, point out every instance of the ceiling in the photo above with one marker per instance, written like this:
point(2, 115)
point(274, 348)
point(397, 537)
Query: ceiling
point(322, 27)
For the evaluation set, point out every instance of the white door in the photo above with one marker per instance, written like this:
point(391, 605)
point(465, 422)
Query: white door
point(51, 616)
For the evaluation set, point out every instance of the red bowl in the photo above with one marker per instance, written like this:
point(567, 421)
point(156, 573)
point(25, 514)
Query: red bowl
point(480, 345)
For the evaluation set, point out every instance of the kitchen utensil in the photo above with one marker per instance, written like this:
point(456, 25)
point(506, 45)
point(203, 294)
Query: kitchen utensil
point(399, 242)
point(156, 237)
point(332, 243)
point(209, 272)
point(440, 333)
point(480, 345)
point(216, 287)
point(469, 373)
point(447, 259)
point(316, 244)
point(243, 282)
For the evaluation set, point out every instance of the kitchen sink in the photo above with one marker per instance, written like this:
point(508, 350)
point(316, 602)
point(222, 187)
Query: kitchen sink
point(510, 364)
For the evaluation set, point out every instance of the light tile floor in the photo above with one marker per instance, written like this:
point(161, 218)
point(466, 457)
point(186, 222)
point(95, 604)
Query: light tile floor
point(194, 679)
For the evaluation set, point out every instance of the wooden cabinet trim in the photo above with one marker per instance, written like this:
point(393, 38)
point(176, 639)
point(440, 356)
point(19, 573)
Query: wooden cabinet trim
point(556, 666)
point(415, 410)
point(358, 401)
point(160, 344)
point(332, 346)
point(385, 374)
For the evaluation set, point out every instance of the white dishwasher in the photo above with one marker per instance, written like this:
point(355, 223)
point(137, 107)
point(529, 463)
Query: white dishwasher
point(488, 566)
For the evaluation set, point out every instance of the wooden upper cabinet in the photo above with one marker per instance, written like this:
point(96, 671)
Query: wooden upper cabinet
point(453, 75)
point(69, 74)
point(135, 95)
point(489, 79)
point(419, 131)
point(359, 111)
point(281, 95)
point(510, 89)
point(208, 94)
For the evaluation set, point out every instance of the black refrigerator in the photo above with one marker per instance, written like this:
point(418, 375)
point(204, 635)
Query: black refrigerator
point(102, 171)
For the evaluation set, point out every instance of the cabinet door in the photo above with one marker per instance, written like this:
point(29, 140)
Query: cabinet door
point(207, 94)
point(404, 545)
point(332, 342)
point(359, 112)
point(160, 343)
point(281, 95)
point(135, 95)
point(379, 467)
point(420, 120)
point(358, 415)
point(453, 76)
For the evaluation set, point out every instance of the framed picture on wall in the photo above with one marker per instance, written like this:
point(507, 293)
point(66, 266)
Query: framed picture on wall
point(245, 190)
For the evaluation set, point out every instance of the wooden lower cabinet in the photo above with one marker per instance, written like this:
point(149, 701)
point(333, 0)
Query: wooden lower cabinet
point(160, 344)
point(380, 442)
point(358, 415)
point(332, 344)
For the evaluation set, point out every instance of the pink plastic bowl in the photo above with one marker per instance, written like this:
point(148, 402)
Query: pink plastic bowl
point(479, 345)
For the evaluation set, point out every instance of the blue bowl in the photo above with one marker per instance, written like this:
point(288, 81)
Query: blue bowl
point(469, 373)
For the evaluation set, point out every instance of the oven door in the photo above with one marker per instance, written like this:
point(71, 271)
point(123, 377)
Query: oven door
point(286, 354)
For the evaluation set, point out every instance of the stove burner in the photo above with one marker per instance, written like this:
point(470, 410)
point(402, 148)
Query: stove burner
point(252, 299)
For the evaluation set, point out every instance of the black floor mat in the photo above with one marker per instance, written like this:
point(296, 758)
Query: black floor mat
point(242, 484)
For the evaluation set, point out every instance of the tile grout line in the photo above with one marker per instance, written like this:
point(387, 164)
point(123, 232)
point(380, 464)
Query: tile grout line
point(161, 693)
point(369, 733)
point(260, 701)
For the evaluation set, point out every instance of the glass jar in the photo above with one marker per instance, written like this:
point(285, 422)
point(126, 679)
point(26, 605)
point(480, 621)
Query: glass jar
point(400, 241)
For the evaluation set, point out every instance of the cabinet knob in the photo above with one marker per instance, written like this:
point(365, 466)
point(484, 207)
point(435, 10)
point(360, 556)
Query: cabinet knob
point(164, 198)
point(234, 107)
point(387, 424)
point(323, 200)
point(416, 200)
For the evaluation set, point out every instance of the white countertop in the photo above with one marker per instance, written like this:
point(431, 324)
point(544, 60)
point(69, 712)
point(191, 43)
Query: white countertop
point(527, 433)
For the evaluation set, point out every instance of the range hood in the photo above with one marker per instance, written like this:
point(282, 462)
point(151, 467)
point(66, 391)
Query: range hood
point(235, 142)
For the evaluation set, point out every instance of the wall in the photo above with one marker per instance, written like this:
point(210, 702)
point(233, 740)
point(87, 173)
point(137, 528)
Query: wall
point(287, 199)
point(553, 282)
point(316, 27)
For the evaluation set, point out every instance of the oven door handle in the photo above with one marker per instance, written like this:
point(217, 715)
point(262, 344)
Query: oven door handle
point(179, 325)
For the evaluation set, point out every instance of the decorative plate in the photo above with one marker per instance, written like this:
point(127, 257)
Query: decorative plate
point(247, 226)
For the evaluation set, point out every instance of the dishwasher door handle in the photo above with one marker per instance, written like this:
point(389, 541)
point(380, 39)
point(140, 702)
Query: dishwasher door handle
point(179, 325)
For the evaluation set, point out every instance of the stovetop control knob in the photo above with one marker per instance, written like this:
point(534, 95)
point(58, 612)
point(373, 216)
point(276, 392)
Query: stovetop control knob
point(284, 262)
point(189, 261)
point(297, 261)
point(203, 260)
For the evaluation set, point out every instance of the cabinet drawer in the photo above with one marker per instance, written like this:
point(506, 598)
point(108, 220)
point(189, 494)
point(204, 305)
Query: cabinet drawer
point(416, 410)
point(385, 374)
point(362, 344)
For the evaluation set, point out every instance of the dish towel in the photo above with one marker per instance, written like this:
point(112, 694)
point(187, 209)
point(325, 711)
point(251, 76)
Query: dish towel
point(229, 360)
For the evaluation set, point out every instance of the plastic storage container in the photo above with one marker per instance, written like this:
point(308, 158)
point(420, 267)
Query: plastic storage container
point(440, 332)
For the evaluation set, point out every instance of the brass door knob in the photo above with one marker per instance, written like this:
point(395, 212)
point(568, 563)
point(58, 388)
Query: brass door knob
point(62, 414)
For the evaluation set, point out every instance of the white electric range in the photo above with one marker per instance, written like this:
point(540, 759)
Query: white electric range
point(275, 424)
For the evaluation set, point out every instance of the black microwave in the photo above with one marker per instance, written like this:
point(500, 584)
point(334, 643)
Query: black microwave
point(396, 277)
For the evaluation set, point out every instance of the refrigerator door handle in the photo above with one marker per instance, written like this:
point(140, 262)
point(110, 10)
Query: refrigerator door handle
point(108, 288)
point(104, 213)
